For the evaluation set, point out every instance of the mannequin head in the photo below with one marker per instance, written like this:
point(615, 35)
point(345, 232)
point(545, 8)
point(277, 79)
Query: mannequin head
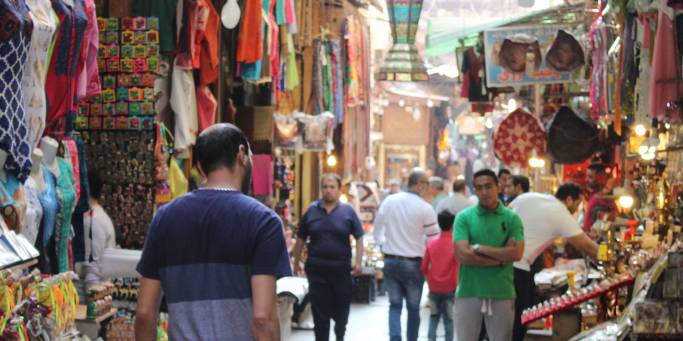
point(49, 147)
point(36, 159)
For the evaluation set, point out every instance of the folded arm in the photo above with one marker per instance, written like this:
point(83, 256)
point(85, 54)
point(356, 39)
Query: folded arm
point(511, 252)
point(465, 255)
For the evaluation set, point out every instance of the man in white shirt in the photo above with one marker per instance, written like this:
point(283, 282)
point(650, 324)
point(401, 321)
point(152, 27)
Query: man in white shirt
point(99, 233)
point(545, 218)
point(403, 224)
point(456, 202)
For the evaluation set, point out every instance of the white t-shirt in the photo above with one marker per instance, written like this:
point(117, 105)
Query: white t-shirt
point(545, 219)
point(103, 237)
point(403, 223)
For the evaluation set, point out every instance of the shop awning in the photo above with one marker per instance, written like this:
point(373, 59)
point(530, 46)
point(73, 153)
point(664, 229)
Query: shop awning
point(445, 33)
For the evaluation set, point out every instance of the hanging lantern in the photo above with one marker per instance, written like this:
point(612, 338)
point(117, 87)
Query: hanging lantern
point(403, 63)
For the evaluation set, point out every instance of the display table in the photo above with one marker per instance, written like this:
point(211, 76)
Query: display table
point(90, 327)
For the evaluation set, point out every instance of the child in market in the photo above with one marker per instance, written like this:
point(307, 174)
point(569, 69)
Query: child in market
point(441, 269)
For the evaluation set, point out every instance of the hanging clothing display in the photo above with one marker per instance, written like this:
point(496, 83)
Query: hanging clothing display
point(665, 84)
point(67, 62)
point(165, 10)
point(35, 71)
point(207, 107)
point(316, 131)
point(89, 77)
point(473, 71)
point(34, 210)
point(49, 202)
point(249, 43)
point(328, 92)
point(209, 46)
point(66, 196)
point(15, 39)
point(13, 202)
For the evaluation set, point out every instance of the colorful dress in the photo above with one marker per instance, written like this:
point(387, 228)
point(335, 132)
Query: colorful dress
point(35, 70)
point(67, 61)
point(66, 197)
point(15, 39)
point(48, 200)
point(89, 77)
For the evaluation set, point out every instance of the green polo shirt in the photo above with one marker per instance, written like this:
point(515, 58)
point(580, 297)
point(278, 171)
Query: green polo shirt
point(478, 225)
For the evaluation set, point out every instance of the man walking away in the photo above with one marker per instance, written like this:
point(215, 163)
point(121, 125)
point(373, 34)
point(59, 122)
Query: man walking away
point(327, 226)
point(456, 202)
point(402, 222)
point(215, 252)
point(438, 188)
point(488, 239)
point(545, 218)
point(441, 269)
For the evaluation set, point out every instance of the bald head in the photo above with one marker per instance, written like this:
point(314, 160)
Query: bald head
point(417, 177)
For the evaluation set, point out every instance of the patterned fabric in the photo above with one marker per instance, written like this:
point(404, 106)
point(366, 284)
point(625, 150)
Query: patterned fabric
point(15, 35)
point(67, 62)
point(66, 196)
point(35, 71)
point(34, 210)
point(517, 136)
point(89, 77)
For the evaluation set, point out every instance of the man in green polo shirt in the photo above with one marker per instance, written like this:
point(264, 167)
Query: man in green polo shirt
point(488, 239)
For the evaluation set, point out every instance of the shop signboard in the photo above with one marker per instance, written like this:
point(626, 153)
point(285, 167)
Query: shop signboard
point(497, 76)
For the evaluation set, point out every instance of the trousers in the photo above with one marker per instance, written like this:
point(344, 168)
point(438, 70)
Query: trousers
point(498, 316)
point(330, 290)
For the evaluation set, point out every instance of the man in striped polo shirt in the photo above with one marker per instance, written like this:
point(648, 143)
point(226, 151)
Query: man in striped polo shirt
point(215, 252)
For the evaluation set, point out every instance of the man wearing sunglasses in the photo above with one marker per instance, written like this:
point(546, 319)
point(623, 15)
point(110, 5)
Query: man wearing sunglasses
point(215, 252)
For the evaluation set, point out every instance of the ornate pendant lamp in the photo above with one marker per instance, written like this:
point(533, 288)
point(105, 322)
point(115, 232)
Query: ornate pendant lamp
point(403, 63)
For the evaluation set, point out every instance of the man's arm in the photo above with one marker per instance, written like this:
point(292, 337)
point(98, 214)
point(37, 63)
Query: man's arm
point(465, 255)
point(586, 245)
point(147, 311)
point(424, 267)
point(298, 248)
point(360, 249)
point(512, 252)
point(265, 325)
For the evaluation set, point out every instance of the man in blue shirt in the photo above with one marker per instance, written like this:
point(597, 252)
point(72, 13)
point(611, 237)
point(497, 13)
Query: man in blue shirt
point(328, 225)
point(215, 252)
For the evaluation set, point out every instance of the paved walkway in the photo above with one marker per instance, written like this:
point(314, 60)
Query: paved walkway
point(371, 322)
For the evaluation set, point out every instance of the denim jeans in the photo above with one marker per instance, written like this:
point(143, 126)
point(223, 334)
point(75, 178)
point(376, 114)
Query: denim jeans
point(441, 305)
point(404, 280)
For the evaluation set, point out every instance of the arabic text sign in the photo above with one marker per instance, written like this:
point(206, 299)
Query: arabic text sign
point(496, 76)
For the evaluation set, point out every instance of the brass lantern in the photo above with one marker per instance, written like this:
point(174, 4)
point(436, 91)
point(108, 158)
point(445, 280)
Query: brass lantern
point(403, 63)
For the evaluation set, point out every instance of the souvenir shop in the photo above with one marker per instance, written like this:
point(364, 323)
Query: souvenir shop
point(121, 89)
point(597, 83)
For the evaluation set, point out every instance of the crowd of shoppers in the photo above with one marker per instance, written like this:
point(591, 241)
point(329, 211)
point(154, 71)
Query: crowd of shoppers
point(478, 256)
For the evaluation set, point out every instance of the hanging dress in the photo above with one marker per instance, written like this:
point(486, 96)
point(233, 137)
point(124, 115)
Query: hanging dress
point(67, 61)
point(665, 82)
point(48, 200)
point(35, 71)
point(15, 39)
point(34, 210)
point(66, 197)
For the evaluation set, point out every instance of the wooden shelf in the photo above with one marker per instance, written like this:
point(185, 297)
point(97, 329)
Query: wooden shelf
point(81, 314)
point(528, 319)
point(25, 264)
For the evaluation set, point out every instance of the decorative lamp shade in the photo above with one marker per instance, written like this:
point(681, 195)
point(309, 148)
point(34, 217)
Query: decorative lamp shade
point(516, 138)
point(403, 63)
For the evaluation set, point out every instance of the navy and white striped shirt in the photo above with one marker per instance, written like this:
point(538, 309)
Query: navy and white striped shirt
point(204, 247)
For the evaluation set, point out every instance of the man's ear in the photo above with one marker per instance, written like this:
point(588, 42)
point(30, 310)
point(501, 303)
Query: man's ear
point(201, 170)
point(243, 155)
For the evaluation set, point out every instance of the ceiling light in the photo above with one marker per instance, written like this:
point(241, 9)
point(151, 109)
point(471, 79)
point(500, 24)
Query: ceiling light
point(640, 130)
